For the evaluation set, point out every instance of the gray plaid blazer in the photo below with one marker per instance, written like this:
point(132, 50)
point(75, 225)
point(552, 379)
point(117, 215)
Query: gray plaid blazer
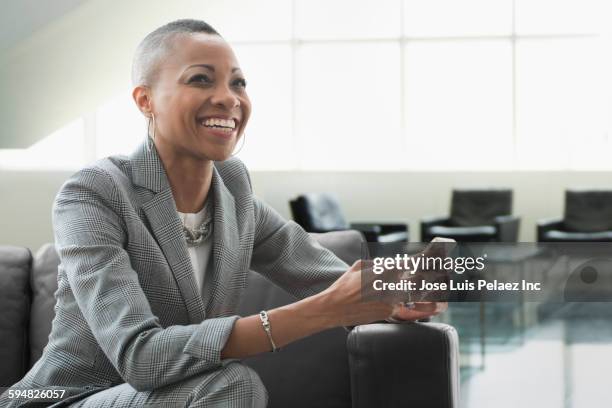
point(128, 308)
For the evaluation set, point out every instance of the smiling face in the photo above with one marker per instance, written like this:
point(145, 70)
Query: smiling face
point(198, 98)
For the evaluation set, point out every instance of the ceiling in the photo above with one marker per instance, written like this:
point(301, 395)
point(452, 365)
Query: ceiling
point(20, 18)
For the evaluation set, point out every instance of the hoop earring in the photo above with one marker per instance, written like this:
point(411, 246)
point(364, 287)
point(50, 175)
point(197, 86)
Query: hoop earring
point(150, 139)
point(241, 146)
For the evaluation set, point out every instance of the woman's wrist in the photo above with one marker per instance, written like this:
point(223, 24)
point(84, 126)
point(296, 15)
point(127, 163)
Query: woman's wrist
point(315, 312)
point(286, 324)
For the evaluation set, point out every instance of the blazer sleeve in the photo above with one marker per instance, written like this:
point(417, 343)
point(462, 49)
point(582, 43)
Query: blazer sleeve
point(288, 256)
point(90, 236)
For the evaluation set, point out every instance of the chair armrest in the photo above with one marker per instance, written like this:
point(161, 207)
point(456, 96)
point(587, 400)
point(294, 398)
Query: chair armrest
point(370, 231)
point(404, 365)
point(428, 222)
point(382, 232)
point(388, 228)
point(367, 227)
point(545, 225)
point(507, 227)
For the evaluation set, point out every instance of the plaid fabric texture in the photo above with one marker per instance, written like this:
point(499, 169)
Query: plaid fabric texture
point(129, 317)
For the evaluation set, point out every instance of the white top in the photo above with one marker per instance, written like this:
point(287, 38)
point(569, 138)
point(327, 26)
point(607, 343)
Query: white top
point(200, 255)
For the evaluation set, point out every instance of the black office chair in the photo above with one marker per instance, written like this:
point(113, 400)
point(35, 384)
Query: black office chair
point(321, 212)
point(475, 216)
point(588, 218)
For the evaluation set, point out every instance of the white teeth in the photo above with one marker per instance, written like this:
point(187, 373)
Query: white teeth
point(223, 124)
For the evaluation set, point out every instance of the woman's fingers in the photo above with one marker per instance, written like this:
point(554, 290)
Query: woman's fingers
point(441, 307)
point(431, 307)
point(347, 298)
point(419, 310)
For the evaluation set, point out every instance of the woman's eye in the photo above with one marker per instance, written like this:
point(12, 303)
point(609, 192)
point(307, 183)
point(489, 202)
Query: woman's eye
point(240, 82)
point(200, 78)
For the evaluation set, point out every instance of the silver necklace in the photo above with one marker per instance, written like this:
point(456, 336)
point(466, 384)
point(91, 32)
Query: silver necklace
point(196, 236)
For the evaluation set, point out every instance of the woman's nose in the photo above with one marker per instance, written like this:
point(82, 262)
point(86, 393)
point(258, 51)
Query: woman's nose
point(225, 97)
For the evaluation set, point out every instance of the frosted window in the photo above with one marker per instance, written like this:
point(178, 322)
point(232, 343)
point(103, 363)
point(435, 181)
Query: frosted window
point(459, 105)
point(453, 17)
point(342, 19)
point(120, 126)
point(392, 85)
point(561, 115)
point(348, 99)
point(269, 142)
point(247, 20)
point(561, 16)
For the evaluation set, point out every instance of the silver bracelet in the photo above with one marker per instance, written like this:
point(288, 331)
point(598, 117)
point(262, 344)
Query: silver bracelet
point(263, 316)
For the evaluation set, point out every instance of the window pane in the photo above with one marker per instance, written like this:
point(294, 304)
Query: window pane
point(268, 144)
point(248, 20)
point(120, 126)
point(348, 99)
point(453, 17)
point(64, 149)
point(560, 16)
point(561, 111)
point(459, 104)
point(341, 19)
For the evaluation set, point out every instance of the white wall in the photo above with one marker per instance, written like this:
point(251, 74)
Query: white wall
point(27, 197)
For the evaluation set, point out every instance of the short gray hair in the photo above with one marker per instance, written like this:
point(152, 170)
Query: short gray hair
point(156, 45)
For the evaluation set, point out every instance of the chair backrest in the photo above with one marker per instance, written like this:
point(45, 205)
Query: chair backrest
point(588, 210)
point(470, 207)
point(318, 212)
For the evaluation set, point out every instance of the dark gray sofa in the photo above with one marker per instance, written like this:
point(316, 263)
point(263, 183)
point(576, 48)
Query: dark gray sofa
point(376, 365)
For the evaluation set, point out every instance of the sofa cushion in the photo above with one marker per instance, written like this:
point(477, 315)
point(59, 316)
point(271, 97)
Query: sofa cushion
point(15, 305)
point(44, 284)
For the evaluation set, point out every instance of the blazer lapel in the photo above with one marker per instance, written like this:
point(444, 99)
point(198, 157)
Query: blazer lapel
point(227, 271)
point(161, 212)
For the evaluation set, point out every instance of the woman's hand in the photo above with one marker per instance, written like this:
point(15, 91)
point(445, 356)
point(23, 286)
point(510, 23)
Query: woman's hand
point(343, 299)
point(418, 310)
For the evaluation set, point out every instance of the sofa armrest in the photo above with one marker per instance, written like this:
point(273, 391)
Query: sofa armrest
point(507, 228)
point(545, 225)
point(404, 365)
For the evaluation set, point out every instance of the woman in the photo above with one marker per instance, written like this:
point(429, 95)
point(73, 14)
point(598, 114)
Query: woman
point(155, 250)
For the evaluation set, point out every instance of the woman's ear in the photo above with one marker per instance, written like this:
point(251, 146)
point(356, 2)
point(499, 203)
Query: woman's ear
point(142, 97)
